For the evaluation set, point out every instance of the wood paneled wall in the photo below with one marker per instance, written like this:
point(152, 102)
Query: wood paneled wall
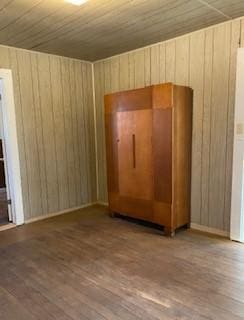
point(206, 61)
point(55, 124)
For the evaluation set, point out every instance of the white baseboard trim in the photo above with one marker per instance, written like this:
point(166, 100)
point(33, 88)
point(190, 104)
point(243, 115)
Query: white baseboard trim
point(7, 226)
point(54, 214)
point(102, 203)
point(218, 232)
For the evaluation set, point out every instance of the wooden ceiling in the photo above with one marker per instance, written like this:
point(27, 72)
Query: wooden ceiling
point(102, 28)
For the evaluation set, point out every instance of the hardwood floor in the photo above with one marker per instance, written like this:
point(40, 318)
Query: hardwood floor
point(86, 265)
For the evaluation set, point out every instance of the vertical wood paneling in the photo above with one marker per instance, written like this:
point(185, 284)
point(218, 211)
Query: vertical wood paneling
point(68, 131)
point(182, 61)
point(235, 37)
point(4, 57)
point(170, 61)
point(73, 107)
point(205, 61)
point(147, 66)
point(196, 63)
point(131, 70)
point(20, 130)
point(39, 134)
point(206, 134)
point(60, 138)
point(88, 91)
point(242, 32)
point(155, 63)
point(99, 92)
point(82, 130)
point(124, 72)
point(48, 132)
point(162, 63)
point(114, 69)
point(55, 126)
point(29, 131)
point(220, 89)
point(139, 69)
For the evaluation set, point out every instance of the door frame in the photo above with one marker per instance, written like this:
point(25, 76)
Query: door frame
point(11, 145)
point(4, 159)
point(237, 198)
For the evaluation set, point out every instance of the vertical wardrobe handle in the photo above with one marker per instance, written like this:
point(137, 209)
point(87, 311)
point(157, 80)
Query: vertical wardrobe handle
point(134, 150)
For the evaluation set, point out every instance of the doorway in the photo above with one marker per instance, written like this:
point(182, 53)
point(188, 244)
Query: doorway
point(5, 201)
point(11, 200)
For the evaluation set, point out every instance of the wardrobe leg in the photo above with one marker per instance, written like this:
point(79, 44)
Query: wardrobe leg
point(169, 232)
point(111, 213)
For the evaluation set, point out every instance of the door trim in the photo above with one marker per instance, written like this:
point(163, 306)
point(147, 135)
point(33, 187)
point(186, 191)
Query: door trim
point(11, 143)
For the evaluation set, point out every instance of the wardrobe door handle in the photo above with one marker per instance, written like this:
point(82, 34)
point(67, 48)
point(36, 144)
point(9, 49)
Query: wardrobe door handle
point(134, 150)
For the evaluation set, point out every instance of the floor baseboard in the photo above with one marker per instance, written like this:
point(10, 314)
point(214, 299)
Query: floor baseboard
point(54, 214)
point(102, 203)
point(7, 226)
point(206, 229)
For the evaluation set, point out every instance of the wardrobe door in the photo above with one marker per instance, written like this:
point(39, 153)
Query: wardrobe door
point(135, 162)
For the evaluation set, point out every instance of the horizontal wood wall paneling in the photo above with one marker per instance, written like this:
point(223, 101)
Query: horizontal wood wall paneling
point(196, 61)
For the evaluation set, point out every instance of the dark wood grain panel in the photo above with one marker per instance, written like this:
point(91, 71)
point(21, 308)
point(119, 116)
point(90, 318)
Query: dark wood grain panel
point(162, 96)
point(182, 119)
point(112, 152)
point(134, 99)
point(150, 154)
point(135, 154)
point(162, 154)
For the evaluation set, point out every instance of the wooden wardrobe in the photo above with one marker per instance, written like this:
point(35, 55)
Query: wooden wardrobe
point(148, 148)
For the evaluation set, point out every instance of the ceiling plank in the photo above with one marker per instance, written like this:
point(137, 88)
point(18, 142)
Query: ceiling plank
point(102, 28)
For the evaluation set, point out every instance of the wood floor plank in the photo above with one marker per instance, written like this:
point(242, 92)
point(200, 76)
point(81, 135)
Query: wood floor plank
point(85, 265)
